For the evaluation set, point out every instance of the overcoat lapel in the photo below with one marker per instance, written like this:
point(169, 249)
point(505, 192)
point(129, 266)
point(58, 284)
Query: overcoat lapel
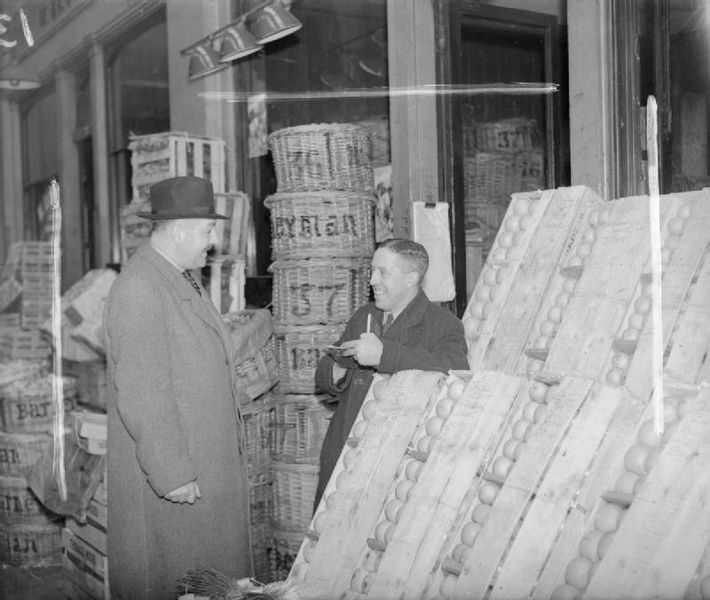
point(201, 305)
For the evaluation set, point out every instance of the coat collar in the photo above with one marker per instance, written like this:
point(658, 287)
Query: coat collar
point(169, 271)
point(412, 314)
point(202, 305)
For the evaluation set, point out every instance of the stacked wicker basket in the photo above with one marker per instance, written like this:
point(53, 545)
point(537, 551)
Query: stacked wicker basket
point(322, 241)
point(30, 535)
point(500, 158)
point(256, 373)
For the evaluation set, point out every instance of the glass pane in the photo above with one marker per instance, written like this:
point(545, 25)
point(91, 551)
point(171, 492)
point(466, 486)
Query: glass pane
point(504, 135)
point(689, 95)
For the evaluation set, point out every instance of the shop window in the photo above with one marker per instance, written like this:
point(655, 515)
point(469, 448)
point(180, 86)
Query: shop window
point(333, 70)
point(138, 102)
point(40, 163)
point(508, 143)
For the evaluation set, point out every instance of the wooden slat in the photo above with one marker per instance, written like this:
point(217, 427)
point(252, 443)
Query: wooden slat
point(691, 339)
point(597, 310)
point(553, 241)
point(478, 347)
point(694, 326)
point(377, 457)
point(513, 498)
point(692, 592)
point(600, 476)
point(589, 202)
point(663, 534)
point(467, 439)
point(547, 512)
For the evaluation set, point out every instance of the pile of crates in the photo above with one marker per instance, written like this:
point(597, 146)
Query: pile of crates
point(158, 156)
point(554, 468)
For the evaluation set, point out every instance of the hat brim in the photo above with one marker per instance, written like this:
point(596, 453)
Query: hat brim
point(166, 216)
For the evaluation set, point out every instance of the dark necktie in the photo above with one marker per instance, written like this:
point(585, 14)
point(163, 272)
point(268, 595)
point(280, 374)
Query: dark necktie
point(187, 275)
point(387, 323)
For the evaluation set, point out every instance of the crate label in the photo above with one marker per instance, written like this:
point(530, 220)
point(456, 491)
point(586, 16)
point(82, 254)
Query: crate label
point(29, 411)
point(305, 295)
point(305, 358)
point(315, 226)
point(18, 503)
point(9, 455)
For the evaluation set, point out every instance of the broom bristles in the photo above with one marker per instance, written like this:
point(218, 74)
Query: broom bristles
point(218, 586)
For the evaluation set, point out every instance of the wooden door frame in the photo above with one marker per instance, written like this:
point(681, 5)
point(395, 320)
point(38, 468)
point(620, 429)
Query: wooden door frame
point(450, 18)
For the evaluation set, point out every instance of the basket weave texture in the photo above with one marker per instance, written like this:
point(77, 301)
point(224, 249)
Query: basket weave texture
point(313, 224)
point(294, 492)
point(258, 416)
point(313, 291)
point(300, 423)
point(491, 177)
point(333, 156)
point(298, 350)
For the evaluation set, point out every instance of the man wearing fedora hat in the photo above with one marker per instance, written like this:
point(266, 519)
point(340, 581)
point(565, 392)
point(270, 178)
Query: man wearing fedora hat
point(176, 471)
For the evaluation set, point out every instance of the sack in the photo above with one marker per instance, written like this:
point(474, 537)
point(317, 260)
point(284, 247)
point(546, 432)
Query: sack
point(430, 227)
point(83, 475)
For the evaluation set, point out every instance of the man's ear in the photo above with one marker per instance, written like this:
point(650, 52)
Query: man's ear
point(177, 232)
point(413, 278)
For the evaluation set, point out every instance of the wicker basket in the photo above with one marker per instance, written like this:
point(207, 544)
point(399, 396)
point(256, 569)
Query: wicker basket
point(31, 545)
point(313, 224)
point(298, 350)
point(327, 156)
point(318, 290)
point(26, 405)
point(262, 544)
point(258, 418)
point(294, 492)
point(285, 545)
point(20, 451)
point(20, 505)
point(300, 423)
point(507, 135)
point(491, 177)
point(261, 498)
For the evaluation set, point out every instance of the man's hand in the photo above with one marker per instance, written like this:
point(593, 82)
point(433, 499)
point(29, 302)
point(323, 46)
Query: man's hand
point(185, 493)
point(367, 351)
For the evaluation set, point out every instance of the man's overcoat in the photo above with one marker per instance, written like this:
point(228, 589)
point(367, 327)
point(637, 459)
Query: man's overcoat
point(424, 336)
point(172, 419)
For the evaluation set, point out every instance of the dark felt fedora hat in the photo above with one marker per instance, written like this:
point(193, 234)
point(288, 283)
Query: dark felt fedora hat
point(184, 197)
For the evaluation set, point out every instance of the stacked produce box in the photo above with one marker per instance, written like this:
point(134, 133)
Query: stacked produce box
point(84, 543)
point(322, 242)
point(555, 467)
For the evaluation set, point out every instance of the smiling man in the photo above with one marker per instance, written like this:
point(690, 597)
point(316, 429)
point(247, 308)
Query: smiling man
point(179, 488)
point(401, 330)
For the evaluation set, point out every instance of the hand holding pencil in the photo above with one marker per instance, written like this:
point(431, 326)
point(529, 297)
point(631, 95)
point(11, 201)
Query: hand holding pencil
point(367, 351)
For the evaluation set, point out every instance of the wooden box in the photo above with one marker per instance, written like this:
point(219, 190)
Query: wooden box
point(157, 156)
